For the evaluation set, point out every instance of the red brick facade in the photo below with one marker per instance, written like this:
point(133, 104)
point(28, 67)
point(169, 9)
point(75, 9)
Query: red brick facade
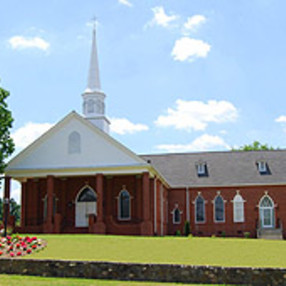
point(252, 196)
point(61, 194)
point(152, 206)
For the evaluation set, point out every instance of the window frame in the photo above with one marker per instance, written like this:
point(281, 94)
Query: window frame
point(204, 209)
point(238, 199)
point(214, 209)
point(201, 169)
point(119, 217)
point(262, 166)
point(174, 215)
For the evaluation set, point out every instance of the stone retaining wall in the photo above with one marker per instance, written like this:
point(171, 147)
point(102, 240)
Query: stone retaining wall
point(145, 272)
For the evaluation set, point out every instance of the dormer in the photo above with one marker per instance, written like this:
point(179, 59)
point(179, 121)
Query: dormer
point(263, 167)
point(202, 170)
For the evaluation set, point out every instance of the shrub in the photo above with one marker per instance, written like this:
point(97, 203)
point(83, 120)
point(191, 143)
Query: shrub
point(246, 234)
point(223, 234)
point(178, 232)
point(187, 228)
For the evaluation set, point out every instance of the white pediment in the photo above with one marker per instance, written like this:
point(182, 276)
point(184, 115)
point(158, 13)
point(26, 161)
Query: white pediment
point(74, 143)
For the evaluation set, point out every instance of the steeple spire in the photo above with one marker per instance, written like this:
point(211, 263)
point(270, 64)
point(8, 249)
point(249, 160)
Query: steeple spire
point(93, 96)
point(93, 83)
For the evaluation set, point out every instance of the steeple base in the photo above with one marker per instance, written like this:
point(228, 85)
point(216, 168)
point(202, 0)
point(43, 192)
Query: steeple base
point(101, 122)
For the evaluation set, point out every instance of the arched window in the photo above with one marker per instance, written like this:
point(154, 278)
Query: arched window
point(87, 195)
point(219, 209)
point(266, 212)
point(238, 208)
point(124, 205)
point(200, 209)
point(74, 143)
point(176, 215)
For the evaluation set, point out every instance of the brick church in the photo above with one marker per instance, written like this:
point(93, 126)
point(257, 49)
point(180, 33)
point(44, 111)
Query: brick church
point(77, 179)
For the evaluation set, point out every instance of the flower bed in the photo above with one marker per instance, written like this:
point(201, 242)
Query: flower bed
point(15, 246)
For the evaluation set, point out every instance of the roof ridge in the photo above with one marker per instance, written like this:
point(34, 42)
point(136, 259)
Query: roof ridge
point(214, 152)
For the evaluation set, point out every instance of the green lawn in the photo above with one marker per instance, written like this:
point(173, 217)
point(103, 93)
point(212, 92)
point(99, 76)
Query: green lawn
point(16, 280)
point(178, 250)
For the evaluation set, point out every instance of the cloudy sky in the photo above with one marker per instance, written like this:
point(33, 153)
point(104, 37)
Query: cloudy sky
point(179, 75)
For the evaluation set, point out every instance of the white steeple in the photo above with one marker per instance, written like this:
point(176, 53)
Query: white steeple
point(93, 97)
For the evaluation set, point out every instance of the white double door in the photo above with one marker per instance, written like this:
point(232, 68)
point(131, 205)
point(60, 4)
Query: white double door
point(83, 210)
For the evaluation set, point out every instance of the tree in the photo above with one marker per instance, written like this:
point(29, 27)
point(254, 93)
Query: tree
point(6, 143)
point(255, 146)
point(15, 210)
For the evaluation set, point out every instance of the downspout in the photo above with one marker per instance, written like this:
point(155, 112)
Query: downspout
point(155, 205)
point(162, 210)
point(187, 204)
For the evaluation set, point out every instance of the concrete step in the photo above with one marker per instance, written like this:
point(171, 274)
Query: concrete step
point(270, 233)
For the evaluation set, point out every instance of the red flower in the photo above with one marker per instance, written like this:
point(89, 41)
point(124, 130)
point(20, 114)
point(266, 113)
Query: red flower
point(29, 251)
point(34, 246)
point(18, 245)
point(9, 237)
point(1, 252)
point(19, 253)
point(12, 254)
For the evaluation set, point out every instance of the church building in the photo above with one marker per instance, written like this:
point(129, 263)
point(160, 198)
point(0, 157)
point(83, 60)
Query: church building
point(76, 178)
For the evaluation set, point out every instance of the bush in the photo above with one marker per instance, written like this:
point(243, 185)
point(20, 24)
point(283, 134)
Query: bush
point(178, 232)
point(187, 228)
point(246, 234)
point(223, 234)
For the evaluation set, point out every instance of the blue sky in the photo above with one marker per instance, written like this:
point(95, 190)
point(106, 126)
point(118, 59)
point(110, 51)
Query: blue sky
point(179, 75)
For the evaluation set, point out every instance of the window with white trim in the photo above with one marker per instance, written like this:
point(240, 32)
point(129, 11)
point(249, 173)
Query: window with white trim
point(201, 169)
point(262, 166)
point(219, 215)
point(124, 205)
point(238, 208)
point(200, 209)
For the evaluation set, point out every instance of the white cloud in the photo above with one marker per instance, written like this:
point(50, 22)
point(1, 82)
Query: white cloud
point(281, 119)
point(193, 23)
point(20, 43)
point(161, 18)
point(125, 2)
point(195, 115)
point(188, 49)
point(25, 135)
point(124, 126)
point(205, 142)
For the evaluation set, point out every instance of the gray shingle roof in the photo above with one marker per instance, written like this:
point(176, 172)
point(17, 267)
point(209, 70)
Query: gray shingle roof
point(231, 168)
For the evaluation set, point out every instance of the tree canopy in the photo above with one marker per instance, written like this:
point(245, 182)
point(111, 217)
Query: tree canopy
point(255, 146)
point(6, 143)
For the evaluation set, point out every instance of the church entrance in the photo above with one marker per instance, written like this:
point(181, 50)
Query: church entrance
point(85, 205)
point(266, 212)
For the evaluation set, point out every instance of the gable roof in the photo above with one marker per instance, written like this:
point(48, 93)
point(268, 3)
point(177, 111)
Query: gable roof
point(50, 151)
point(230, 168)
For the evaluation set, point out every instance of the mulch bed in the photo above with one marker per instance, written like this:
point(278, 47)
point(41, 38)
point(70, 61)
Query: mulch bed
point(17, 246)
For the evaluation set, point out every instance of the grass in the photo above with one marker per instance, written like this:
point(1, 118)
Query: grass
point(177, 250)
point(16, 280)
